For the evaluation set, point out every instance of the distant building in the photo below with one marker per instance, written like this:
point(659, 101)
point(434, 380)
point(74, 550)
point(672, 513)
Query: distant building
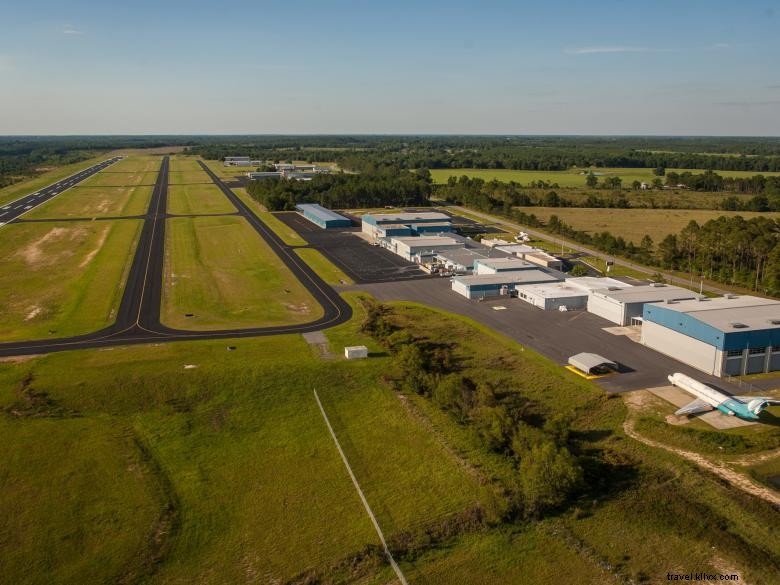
point(730, 335)
point(422, 222)
point(325, 218)
point(504, 264)
point(237, 161)
point(256, 176)
point(422, 248)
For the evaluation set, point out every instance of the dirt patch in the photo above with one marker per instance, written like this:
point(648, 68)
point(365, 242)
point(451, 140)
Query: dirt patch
point(18, 359)
point(33, 312)
point(101, 240)
point(39, 253)
point(302, 309)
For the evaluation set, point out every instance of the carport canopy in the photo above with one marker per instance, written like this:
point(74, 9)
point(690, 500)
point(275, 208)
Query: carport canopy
point(592, 363)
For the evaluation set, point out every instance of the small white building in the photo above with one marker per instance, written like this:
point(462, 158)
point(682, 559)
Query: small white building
point(624, 306)
point(542, 258)
point(504, 264)
point(572, 294)
point(356, 352)
point(459, 260)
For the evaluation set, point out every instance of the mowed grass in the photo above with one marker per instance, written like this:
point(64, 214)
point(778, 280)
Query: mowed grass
point(329, 272)
point(188, 178)
point(95, 202)
point(632, 224)
point(571, 177)
point(137, 164)
point(120, 179)
point(17, 190)
point(184, 164)
point(220, 270)
point(63, 279)
point(198, 199)
point(220, 473)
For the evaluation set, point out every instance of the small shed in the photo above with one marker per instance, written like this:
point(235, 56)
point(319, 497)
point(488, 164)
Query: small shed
point(356, 352)
point(592, 363)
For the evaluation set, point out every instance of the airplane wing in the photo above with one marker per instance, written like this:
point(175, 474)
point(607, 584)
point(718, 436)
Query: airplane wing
point(694, 407)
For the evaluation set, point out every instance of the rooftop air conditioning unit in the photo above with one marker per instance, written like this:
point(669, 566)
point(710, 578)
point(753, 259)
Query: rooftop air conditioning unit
point(739, 326)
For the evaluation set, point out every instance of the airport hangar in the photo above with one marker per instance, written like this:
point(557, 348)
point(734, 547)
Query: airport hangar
point(726, 336)
point(319, 215)
point(624, 306)
point(405, 224)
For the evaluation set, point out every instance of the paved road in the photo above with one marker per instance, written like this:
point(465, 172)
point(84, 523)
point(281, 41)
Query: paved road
point(589, 251)
point(138, 318)
point(15, 209)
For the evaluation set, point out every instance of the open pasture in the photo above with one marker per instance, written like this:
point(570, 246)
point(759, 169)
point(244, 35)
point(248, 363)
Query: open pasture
point(197, 199)
point(95, 202)
point(571, 177)
point(219, 270)
point(63, 279)
point(632, 224)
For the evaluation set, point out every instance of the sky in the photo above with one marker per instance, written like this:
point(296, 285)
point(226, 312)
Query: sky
point(668, 67)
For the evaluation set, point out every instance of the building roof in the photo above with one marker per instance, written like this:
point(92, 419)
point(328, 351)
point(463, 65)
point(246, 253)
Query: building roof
point(426, 241)
point(517, 278)
point(646, 293)
point(506, 263)
point(319, 212)
point(516, 249)
point(553, 290)
point(590, 283)
point(404, 217)
point(587, 362)
point(732, 313)
point(461, 256)
point(542, 255)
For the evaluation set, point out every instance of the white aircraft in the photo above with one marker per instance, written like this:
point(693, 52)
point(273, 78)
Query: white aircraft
point(707, 398)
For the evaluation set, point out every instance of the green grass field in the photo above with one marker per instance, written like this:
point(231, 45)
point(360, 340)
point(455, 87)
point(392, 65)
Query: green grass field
point(197, 199)
point(324, 267)
point(570, 178)
point(137, 164)
point(94, 202)
point(63, 279)
point(17, 190)
point(632, 224)
point(188, 178)
point(180, 164)
point(220, 270)
point(120, 179)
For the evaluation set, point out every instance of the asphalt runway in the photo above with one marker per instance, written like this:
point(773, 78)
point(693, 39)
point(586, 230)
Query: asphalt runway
point(13, 210)
point(359, 260)
point(138, 317)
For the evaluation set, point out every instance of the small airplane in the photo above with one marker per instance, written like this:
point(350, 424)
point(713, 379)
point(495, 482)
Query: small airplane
point(707, 398)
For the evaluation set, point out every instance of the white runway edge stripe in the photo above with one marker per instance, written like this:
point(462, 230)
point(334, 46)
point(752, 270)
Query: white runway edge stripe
point(390, 558)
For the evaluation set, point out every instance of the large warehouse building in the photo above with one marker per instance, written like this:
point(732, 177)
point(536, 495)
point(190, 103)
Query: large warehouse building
point(423, 222)
point(731, 335)
point(319, 215)
point(572, 294)
point(624, 306)
point(418, 249)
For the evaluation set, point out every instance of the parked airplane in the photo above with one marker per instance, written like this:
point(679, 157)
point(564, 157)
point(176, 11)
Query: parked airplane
point(707, 398)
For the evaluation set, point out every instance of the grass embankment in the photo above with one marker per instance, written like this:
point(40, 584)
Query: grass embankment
point(63, 279)
point(198, 199)
point(17, 190)
point(632, 224)
point(220, 473)
point(219, 270)
point(324, 267)
point(95, 202)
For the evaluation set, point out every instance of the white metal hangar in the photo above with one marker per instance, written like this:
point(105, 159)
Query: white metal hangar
point(731, 335)
point(624, 305)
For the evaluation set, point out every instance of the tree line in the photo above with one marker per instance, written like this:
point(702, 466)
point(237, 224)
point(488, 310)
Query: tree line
point(345, 191)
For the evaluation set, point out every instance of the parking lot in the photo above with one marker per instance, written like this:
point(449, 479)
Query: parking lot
point(557, 335)
point(359, 260)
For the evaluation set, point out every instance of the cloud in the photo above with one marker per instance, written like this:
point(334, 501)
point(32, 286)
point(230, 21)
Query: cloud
point(721, 46)
point(594, 50)
point(71, 30)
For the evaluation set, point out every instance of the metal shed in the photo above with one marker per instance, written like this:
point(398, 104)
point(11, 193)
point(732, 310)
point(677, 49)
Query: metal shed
point(592, 363)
